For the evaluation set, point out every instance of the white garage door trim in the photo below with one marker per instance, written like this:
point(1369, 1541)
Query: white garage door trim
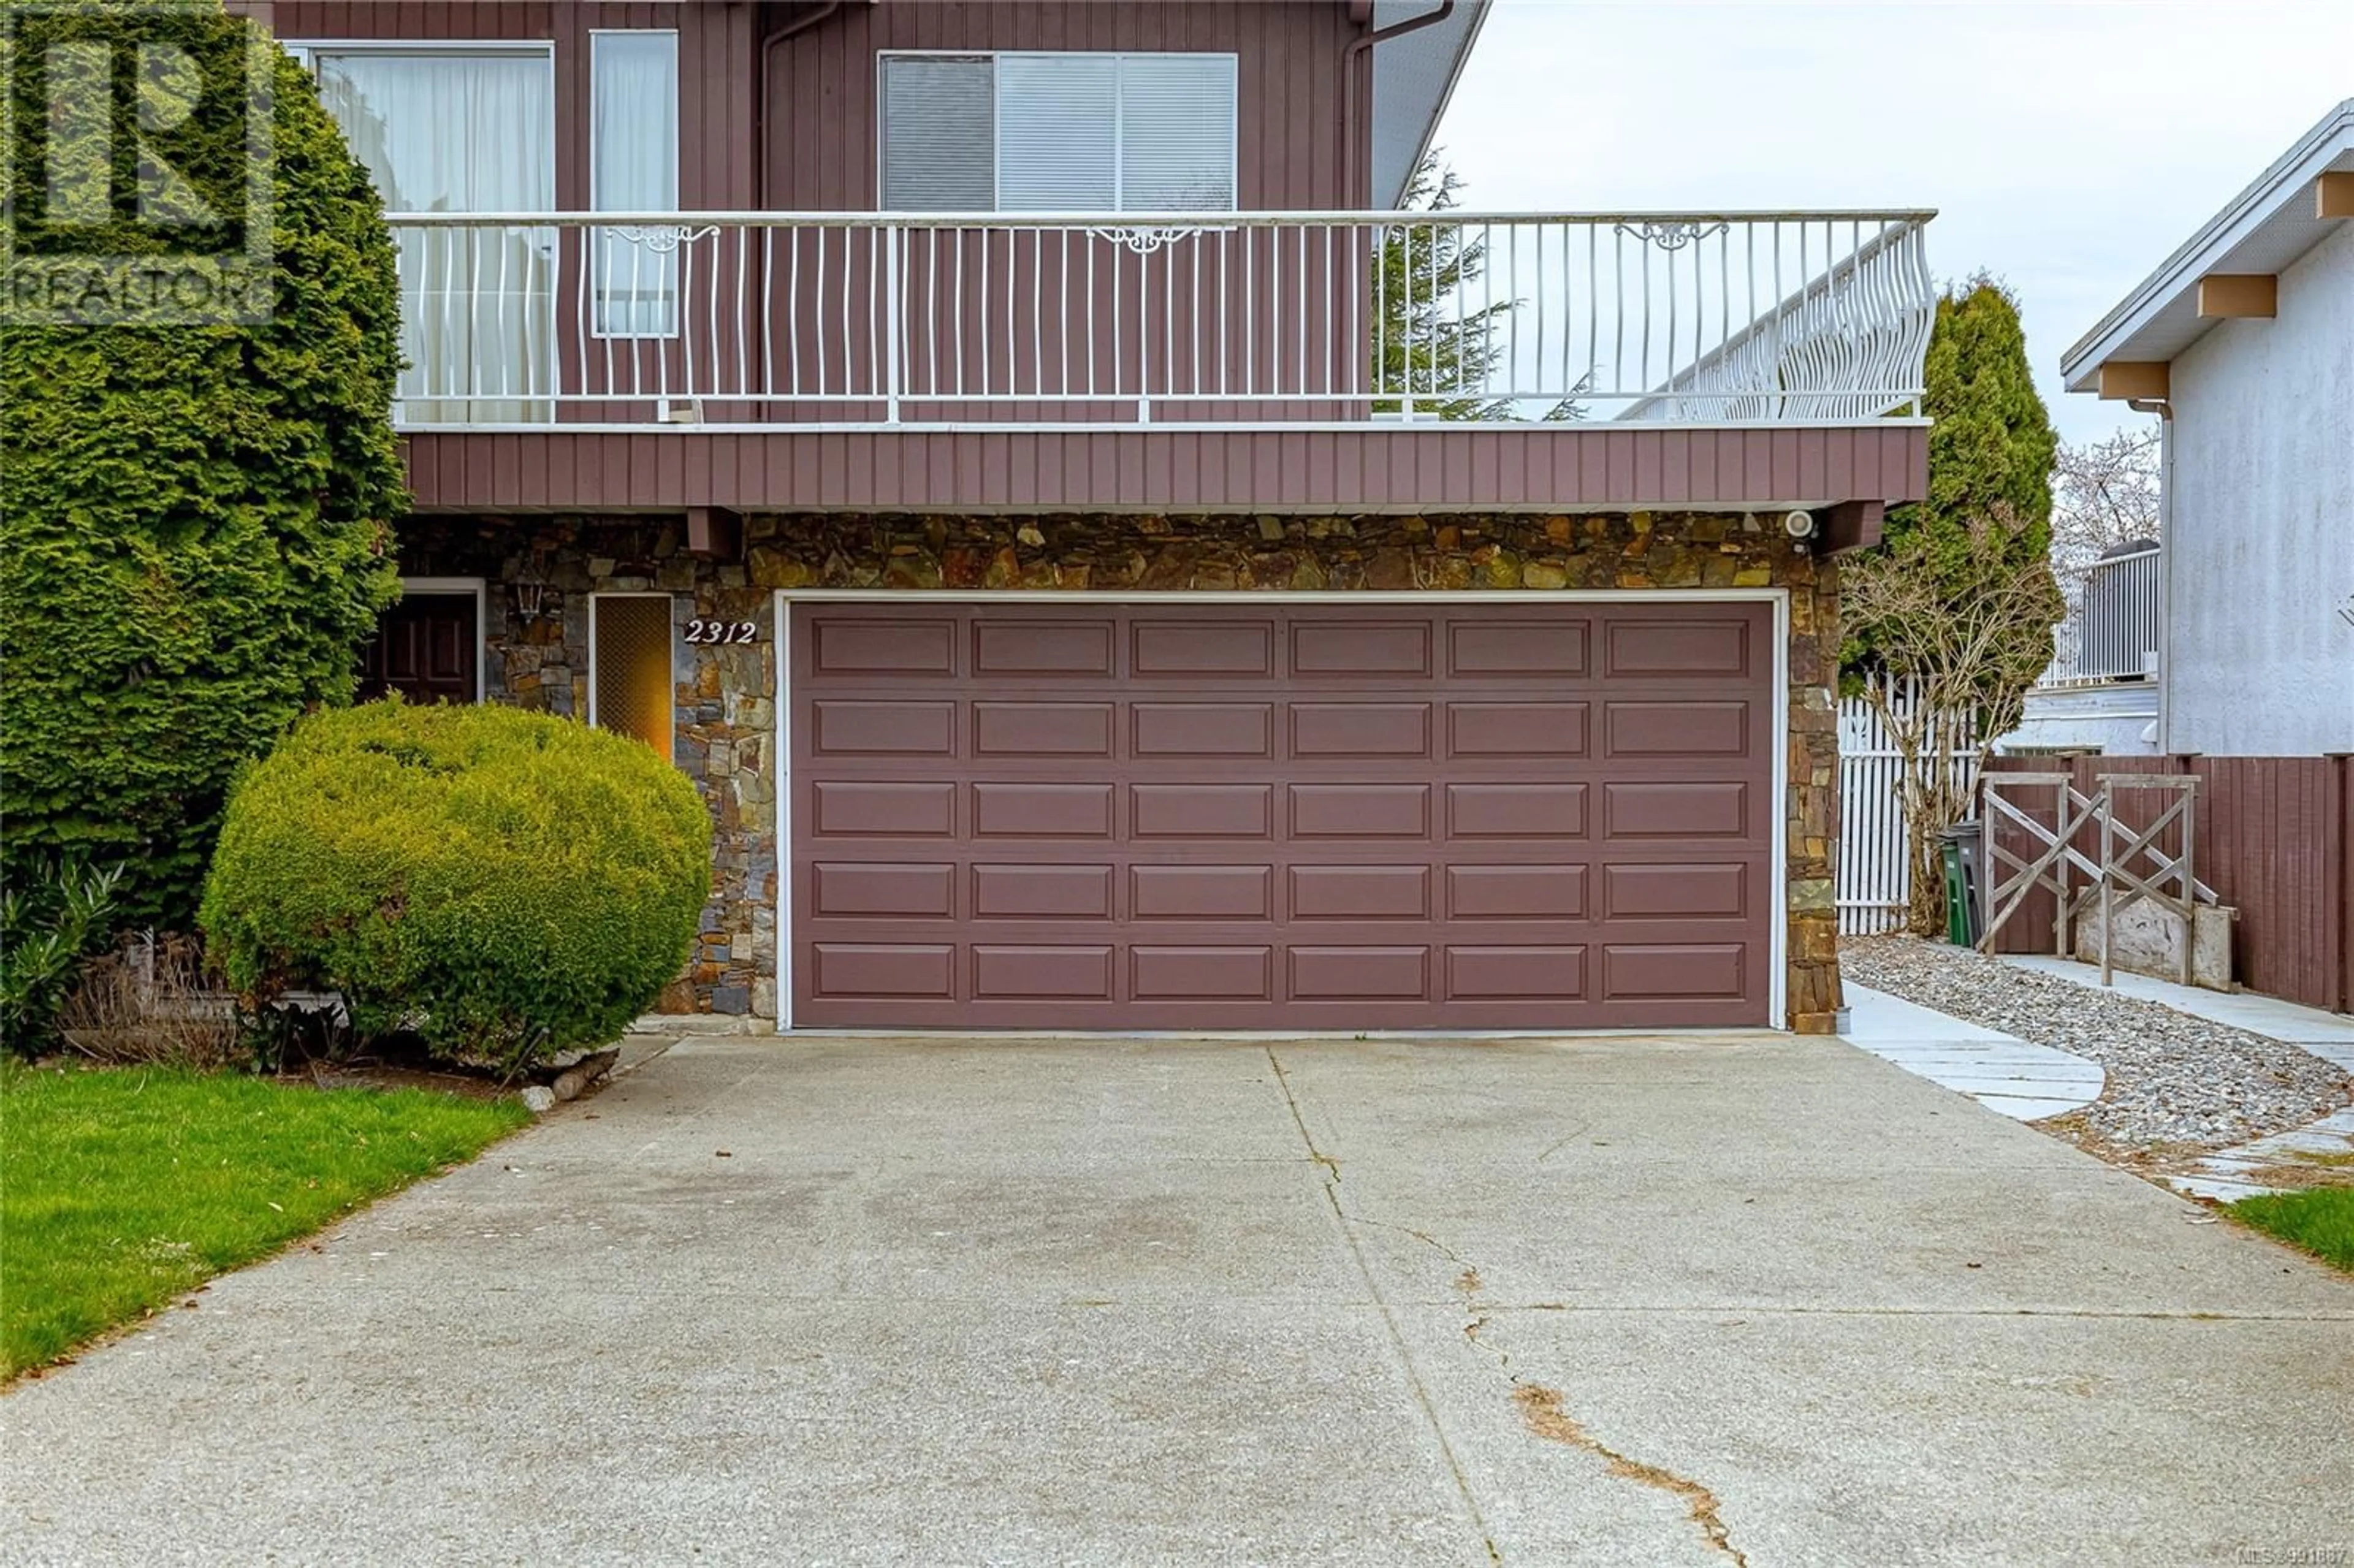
point(1778, 949)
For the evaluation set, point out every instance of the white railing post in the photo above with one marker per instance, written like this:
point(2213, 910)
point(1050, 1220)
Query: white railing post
point(894, 328)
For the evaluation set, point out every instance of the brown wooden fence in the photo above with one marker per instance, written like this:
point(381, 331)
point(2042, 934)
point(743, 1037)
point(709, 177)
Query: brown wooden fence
point(2275, 842)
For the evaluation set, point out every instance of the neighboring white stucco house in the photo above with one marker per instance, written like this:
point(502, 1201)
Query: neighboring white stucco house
point(2243, 341)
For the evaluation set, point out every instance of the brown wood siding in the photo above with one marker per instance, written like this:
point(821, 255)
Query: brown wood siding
point(822, 82)
point(2275, 837)
point(1375, 467)
point(822, 156)
point(717, 50)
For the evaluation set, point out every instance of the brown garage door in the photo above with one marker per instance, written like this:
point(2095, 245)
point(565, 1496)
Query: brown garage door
point(1314, 816)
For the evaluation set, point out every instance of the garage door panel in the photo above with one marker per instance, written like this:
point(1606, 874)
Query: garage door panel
point(1635, 729)
point(1683, 646)
point(1042, 729)
point(1673, 970)
point(1042, 648)
point(869, 727)
point(1516, 730)
point(1361, 729)
point(1360, 893)
point(859, 808)
point(1516, 892)
point(1161, 647)
point(871, 889)
point(1159, 973)
point(1047, 973)
point(1676, 810)
point(1201, 729)
point(1042, 892)
point(1675, 891)
point(1202, 892)
point(1523, 973)
point(878, 969)
point(1201, 811)
point(1360, 811)
point(1516, 810)
point(898, 646)
point(1333, 647)
point(1486, 648)
point(1330, 816)
point(1332, 973)
point(1022, 808)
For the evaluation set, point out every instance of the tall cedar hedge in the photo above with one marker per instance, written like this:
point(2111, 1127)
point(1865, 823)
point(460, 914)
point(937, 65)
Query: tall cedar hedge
point(1992, 445)
point(195, 520)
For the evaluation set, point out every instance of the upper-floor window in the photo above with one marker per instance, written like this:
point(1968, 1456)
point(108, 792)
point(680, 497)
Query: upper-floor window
point(1058, 133)
point(634, 169)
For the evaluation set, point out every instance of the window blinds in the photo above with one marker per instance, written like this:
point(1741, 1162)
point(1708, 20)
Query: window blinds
point(1055, 147)
point(1059, 132)
point(939, 139)
point(1176, 133)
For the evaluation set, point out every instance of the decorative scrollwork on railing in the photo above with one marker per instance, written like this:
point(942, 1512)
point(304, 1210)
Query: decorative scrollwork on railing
point(1671, 236)
point(663, 239)
point(1143, 241)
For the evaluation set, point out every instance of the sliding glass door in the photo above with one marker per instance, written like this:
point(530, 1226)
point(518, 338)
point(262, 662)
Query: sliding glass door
point(461, 129)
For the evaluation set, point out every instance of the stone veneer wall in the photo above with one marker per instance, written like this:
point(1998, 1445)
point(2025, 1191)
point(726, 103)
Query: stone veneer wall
point(727, 731)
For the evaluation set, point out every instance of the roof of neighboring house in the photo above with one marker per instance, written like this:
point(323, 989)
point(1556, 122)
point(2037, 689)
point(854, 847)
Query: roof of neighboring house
point(1412, 76)
point(2264, 230)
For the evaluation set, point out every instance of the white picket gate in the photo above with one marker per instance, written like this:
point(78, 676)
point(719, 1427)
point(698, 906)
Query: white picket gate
point(1875, 868)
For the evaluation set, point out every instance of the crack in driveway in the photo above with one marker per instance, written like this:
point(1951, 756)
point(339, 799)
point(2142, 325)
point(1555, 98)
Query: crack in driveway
point(1331, 1171)
point(1540, 1410)
point(1539, 1406)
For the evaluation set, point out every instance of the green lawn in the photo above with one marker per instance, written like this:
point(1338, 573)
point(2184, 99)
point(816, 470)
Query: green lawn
point(121, 1189)
point(2319, 1219)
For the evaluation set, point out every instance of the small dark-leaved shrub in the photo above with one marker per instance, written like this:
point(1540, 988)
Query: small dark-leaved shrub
point(505, 885)
point(49, 922)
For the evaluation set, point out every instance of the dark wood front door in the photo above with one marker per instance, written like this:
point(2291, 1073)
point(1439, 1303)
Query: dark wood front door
point(427, 648)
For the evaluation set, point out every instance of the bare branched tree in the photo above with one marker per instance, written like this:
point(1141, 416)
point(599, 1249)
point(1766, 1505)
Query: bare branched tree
point(2104, 496)
point(1969, 652)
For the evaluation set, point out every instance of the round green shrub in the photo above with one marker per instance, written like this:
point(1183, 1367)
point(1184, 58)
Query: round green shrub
point(194, 518)
point(506, 884)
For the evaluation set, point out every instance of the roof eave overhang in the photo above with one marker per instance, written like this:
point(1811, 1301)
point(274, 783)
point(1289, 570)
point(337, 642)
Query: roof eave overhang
point(2289, 179)
point(1480, 9)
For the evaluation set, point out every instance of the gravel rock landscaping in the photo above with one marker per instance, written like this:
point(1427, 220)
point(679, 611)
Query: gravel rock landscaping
point(2173, 1080)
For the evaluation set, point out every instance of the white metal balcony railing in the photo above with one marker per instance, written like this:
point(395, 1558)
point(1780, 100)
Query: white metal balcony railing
point(764, 318)
point(2110, 633)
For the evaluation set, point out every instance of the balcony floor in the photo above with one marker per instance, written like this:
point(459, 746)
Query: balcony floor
point(1363, 467)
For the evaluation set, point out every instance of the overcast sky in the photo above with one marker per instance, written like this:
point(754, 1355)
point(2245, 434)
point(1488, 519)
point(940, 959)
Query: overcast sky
point(2069, 147)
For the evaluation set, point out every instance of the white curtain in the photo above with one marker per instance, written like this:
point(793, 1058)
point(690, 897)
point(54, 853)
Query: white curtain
point(445, 131)
point(633, 167)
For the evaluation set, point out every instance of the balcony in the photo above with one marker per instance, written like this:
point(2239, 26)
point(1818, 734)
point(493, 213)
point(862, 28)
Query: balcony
point(1783, 351)
point(2110, 633)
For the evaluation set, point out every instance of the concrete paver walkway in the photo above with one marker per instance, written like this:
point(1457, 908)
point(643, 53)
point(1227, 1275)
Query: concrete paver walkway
point(2241, 1172)
point(2001, 1072)
point(1719, 1299)
point(2330, 1036)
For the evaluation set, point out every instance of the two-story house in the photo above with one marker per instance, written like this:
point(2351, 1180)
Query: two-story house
point(1104, 566)
point(2243, 341)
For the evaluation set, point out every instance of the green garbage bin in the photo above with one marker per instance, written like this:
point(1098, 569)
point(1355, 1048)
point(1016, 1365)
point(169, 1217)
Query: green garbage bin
point(1959, 848)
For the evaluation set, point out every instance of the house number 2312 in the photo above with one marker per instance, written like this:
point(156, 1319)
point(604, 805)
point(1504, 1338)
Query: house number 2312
point(718, 631)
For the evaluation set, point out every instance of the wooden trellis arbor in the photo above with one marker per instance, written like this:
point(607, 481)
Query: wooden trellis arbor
point(2131, 867)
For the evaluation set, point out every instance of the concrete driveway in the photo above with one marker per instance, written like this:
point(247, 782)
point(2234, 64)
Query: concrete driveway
point(1732, 1300)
